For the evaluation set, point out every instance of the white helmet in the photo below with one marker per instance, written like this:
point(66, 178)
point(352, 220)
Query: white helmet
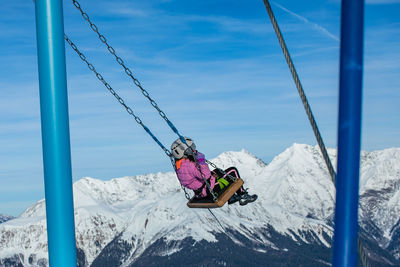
point(179, 148)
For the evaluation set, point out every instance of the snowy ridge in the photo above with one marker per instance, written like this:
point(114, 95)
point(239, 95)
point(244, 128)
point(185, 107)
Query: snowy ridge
point(4, 218)
point(295, 191)
point(380, 189)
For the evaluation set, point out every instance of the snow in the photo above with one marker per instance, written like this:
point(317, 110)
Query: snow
point(4, 218)
point(295, 194)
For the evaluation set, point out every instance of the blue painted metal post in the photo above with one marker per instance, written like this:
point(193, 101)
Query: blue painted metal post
point(55, 133)
point(349, 134)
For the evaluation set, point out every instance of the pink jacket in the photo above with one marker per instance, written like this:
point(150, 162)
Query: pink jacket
point(190, 177)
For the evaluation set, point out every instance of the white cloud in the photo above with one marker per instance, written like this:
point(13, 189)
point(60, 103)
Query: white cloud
point(305, 20)
point(226, 23)
point(130, 12)
point(231, 24)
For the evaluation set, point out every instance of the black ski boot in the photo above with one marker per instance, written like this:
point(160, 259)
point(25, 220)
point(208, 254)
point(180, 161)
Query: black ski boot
point(246, 198)
point(235, 198)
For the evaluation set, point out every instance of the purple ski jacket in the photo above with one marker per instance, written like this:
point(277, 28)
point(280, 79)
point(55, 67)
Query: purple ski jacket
point(190, 177)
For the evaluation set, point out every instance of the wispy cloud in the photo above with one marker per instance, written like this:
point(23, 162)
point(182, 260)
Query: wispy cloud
point(130, 12)
point(225, 23)
point(231, 24)
point(305, 20)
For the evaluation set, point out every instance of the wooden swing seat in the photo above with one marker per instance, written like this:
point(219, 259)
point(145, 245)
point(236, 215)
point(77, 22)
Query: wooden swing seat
point(224, 196)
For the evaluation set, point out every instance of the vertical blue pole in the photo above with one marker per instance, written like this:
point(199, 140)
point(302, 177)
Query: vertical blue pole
point(55, 133)
point(349, 134)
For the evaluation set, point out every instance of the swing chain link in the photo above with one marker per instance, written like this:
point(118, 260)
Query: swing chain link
point(119, 60)
point(214, 196)
point(110, 89)
point(221, 170)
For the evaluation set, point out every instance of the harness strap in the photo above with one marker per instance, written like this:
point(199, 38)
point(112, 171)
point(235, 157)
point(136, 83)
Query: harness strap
point(198, 191)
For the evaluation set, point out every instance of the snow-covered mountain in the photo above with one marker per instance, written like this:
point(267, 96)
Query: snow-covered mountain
point(144, 220)
point(4, 218)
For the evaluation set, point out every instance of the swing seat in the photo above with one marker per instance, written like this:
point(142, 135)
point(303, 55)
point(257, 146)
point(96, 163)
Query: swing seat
point(224, 196)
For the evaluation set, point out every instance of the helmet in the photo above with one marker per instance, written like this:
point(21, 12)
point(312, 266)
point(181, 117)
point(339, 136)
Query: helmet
point(179, 148)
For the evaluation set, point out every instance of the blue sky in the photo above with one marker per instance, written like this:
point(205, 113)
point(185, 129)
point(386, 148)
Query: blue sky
point(214, 67)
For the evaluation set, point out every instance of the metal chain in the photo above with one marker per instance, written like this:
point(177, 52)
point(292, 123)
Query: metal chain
point(214, 196)
point(137, 119)
point(361, 250)
point(120, 100)
point(120, 61)
point(213, 165)
point(221, 170)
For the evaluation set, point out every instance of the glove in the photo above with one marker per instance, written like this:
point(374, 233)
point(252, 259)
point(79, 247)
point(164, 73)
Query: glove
point(222, 183)
point(200, 158)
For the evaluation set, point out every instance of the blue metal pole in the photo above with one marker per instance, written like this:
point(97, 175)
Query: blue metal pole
point(349, 134)
point(55, 133)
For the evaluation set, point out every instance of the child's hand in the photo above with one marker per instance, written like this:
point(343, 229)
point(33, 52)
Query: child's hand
point(200, 158)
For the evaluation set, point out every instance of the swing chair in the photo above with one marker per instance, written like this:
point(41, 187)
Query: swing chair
point(223, 197)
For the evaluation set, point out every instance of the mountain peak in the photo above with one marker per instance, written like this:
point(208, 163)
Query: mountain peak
point(240, 159)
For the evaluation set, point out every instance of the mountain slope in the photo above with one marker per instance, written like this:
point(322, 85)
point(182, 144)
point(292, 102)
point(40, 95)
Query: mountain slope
point(4, 218)
point(132, 221)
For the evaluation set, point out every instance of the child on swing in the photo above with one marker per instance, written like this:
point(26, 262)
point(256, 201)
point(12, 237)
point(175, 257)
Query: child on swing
point(191, 169)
